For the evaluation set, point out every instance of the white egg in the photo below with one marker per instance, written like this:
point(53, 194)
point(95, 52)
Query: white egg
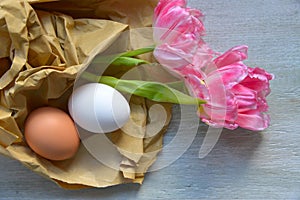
point(98, 108)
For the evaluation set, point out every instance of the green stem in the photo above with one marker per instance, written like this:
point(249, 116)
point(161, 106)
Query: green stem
point(154, 91)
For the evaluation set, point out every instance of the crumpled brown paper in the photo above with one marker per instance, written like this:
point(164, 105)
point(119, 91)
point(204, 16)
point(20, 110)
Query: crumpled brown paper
point(44, 45)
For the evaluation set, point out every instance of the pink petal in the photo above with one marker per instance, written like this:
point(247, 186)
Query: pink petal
point(221, 113)
point(174, 24)
point(231, 74)
point(215, 124)
point(262, 104)
point(245, 97)
point(258, 80)
point(233, 55)
point(172, 20)
point(165, 5)
point(203, 56)
point(172, 58)
point(221, 107)
point(253, 120)
point(195, 85)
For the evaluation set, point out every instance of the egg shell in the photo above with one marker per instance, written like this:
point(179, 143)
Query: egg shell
point(98, 108)
point(51, 133)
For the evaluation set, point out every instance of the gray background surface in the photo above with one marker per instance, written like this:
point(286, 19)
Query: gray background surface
point(243, 164)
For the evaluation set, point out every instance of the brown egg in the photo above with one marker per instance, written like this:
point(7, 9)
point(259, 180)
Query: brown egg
point(51, 133)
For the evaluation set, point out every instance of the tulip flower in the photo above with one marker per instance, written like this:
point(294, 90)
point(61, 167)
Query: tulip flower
point(178, 32)
point(235, 93)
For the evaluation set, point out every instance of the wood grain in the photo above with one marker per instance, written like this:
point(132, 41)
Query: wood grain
point(243, 164)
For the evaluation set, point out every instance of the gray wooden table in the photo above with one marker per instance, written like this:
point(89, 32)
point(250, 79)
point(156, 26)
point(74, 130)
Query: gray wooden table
point(243, 164)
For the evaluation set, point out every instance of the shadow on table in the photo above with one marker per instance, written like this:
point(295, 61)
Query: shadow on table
point(230, 163)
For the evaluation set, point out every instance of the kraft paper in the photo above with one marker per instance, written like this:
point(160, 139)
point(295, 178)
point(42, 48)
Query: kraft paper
point(45, 44)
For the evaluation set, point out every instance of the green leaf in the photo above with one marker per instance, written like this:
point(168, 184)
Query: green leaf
point(154, 91)
point(124, 59)
point(90, 77)
point(127, 61)
point(138, 52)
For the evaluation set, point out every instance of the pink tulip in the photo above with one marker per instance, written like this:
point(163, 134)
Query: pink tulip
point(177, 33)
point(236, 94)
